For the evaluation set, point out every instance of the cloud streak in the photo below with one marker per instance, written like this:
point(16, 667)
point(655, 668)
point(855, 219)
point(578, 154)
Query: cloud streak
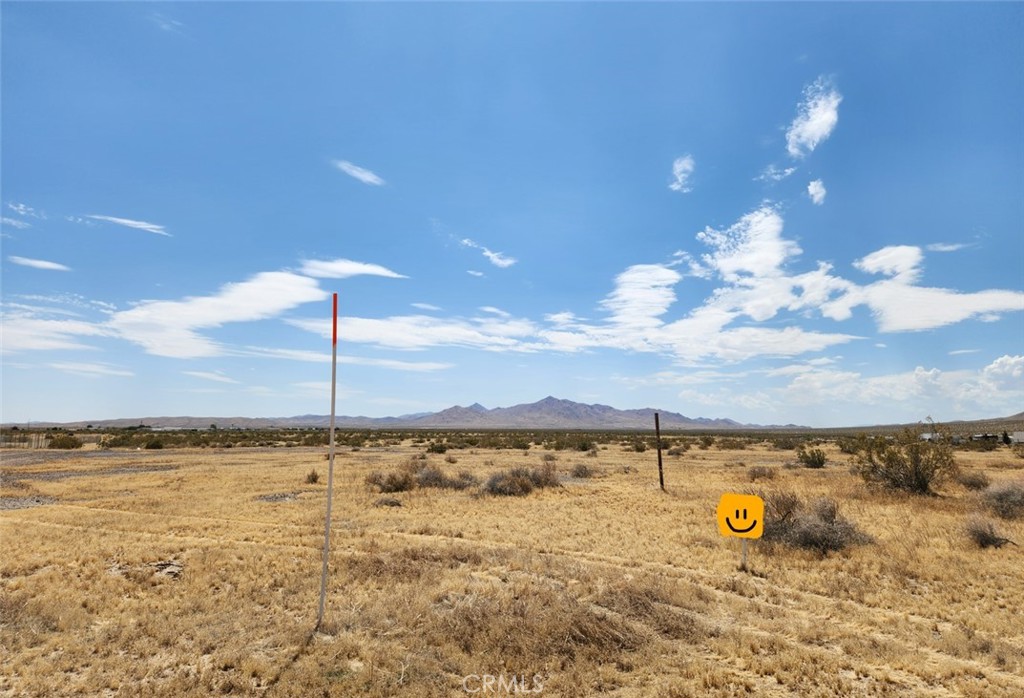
point(345, 268)
point(130, 223)
point(816, 190)
point(361, 173)
point(38, 264)
point(498, 259)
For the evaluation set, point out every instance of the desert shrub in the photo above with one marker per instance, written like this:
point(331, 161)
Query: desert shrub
point(809, 525)
point(811, 457)
point(639, 445)
point(679, 448)
point(549, 457)
point(432, 476)
point(732, 444)
point(581, 471)
point(906, 463)
point(509, 483)
point(401, 481)
point(154, 444)
point(436, 448)
point(387, 502)
point(761, 472)
point(974, 480)
point(785, 443)
point(850, 444)
point(1006, 500)
point(64, 441)
point(705, 442)
point(521, 481)
point(312, 477)
point(983, 534)
point(450, 459)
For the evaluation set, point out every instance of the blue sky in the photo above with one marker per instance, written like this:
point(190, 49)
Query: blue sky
point(779, 213)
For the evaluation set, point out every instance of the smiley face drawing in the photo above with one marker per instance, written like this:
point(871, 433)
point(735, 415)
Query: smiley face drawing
point(741, 515)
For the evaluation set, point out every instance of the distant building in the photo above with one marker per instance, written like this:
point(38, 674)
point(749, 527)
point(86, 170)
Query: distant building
point(1017, 437)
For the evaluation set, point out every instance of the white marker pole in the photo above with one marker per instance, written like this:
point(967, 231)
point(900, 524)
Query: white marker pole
point(330, 467)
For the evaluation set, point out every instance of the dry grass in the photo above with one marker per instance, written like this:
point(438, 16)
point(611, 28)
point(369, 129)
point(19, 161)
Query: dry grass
point(191, 573)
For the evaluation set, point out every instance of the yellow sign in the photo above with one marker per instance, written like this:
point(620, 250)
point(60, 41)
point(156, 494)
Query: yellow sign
point(741, 515)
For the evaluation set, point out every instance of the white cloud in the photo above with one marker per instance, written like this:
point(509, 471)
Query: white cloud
point(960, 352)
point(816, 190)
point(425, 306)
point(24, 330)
point(477, 274)
point(91, 370)
point(945, 247)
point(643, 292)
point(1006, 372)
point(816, 118)
point(494, 311)
point(38, 264)
point(129, 223)
point(325, 357)
point(25, 210)
point(899, 261)
point(361, 173)
point(15, 223)
point(210, 376)
point(425, 331)
point(496, 258)
point(752, 246)
point(899, 305)
point(169, 328)
point(682, 169)
point(345, 268)
point(774, 174)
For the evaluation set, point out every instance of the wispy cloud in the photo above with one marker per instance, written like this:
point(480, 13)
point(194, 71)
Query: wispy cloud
point(961, 352)
point(345, 268)
point(946, 246)
point(167, 24)
point(817, 116)
point(498, 259)
point(25, 210)
point(170, 328)
point(816, 190)
point(474, 273)
point(682, 169)
point(15, 223)
point(129, 223)
point(38, 264)
point(774, 174)
point(210, 376)
point(425, 306)
point(361, 173)
point(325, 357)
point(91, 370)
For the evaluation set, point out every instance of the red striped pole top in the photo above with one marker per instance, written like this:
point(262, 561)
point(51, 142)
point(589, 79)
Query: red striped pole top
point(334, 333)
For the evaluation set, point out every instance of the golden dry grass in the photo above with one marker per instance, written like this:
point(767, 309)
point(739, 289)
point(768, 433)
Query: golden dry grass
point(173, 573)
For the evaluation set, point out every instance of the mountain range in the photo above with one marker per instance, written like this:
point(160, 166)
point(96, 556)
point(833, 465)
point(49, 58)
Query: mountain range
point(549, 413)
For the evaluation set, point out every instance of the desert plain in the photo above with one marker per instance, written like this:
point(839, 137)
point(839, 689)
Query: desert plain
point(195, 572)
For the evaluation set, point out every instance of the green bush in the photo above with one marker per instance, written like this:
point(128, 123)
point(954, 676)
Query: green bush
point(811, 457)
point(906, 462)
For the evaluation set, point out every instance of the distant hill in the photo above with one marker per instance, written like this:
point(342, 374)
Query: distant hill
point(549, 413)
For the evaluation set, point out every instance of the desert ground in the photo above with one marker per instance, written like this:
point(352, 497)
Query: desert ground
point(193, 572)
